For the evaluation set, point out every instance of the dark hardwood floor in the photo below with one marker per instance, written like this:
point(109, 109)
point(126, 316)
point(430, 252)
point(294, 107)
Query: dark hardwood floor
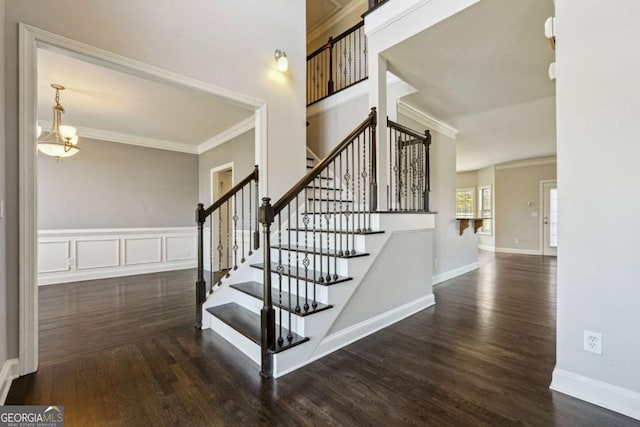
point(124, 352)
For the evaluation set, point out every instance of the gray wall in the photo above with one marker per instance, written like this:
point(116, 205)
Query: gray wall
point(187, 33)
point(110, 185)
point(516, 188)
point(3, 237)
point(598, 177)
point(240, 151)
point(467, 179)
point(451, 250)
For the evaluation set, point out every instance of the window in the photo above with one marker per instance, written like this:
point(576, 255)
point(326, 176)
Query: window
point(485, 209)
point(464, 202)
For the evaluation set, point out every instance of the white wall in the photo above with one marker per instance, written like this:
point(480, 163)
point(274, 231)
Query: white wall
point(110, 185)
point(598, 176)
point(204, 40)
point(467, 179)
point(4, 345)
point(453, 254)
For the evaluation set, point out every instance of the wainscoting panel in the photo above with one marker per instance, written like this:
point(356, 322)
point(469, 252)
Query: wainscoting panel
point(53, 256)
point(74, 255)
point(142, 250)
point(97, 253)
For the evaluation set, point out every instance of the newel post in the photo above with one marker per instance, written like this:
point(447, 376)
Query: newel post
point(427, 175)
point(201, 285)
point(267, 314)
point(330, 83)
point(373, 200)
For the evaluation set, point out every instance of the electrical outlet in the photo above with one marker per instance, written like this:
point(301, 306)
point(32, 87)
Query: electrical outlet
point(70, 262)
point(592, 342)
point(435, 263)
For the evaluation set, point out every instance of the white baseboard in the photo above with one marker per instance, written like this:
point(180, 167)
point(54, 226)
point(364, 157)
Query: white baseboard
point(80, 276)
point(609, 396)
point(518, 251)
point(363, 329)
point(487, 248)
point(8, 373)
point(447, 275)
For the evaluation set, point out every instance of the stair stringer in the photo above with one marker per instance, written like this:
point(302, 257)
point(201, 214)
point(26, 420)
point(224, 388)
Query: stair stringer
point(323, 340)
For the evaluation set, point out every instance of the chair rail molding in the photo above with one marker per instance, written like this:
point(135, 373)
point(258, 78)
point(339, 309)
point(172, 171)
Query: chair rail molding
point(30, 39)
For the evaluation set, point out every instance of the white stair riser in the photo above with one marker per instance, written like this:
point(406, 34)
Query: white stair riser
point(333, 205)
point(241, 342)
point(339, 240)
point(340, 266)
point(321, 290)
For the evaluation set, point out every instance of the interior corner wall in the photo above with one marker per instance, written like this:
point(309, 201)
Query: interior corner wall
point(598, 176)
point(451, 250)
point(112, 185)
point(467, 179)
point(328, 128)
point(338, 27)
point(517, 201)
point(487, 176)
point(192, 41)
point(240, 150)
point(4, 343)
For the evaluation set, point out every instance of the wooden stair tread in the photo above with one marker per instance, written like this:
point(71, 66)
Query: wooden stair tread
point(332, 231)
point(312, 187)
point(256, 290)
point(327, 252)
point(299, 273)
point(247, 323)
point(311, 159)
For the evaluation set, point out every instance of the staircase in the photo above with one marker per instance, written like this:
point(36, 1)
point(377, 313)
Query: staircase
point(321, 278)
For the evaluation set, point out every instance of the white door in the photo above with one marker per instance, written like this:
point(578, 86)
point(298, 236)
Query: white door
point(550, 218)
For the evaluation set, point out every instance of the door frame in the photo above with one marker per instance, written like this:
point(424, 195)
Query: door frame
point(218, 169)
point(30, 39)
point(541, 214)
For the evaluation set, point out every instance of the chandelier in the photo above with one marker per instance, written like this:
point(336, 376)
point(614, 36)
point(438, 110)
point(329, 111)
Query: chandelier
point(62, 140)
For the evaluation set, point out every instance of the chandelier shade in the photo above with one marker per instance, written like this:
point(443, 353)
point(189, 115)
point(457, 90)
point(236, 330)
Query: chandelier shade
point(62, 140)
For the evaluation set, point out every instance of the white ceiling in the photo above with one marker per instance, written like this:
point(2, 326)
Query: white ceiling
point(484, 71)
point(102, 99)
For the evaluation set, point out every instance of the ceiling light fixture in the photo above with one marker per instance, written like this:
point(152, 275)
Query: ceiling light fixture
point(62, 140)
point(281, 59)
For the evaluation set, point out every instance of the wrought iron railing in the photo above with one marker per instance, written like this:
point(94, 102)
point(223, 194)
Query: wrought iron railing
point(339, 64)
point(227, 235)
point(314, 224)
point(375, 3)
point(409, 172)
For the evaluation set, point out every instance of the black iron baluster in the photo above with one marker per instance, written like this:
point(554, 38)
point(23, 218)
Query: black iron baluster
point(251, 222)
point(280, 270)
point(327, 217)
point(220, 247)
point(227, 266)
point(201, 285)
point(336, 214)
point(315, 256)
point(353, 205)
point(321, 215)
point(359, 172)
point(338, 228)
point(242, 224)
point(305, 261)
point(297, 214)
point(235, 232)
point(347, 178)
point(211, 257)
point(256, 235)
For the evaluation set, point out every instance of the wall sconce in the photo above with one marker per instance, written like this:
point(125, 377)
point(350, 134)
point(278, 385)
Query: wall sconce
point(281, 59)
point(552, 71)
point(550, 31)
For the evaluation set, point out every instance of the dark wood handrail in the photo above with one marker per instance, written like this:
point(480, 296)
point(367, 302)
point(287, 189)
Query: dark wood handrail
point(229, 194)
point(315, 172)
point(409, 131)
point(334, 40)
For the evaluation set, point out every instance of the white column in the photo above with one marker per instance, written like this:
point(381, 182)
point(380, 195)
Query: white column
point(378, 99)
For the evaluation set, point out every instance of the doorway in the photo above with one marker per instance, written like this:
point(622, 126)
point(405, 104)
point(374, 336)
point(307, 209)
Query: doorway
point(549, 218)
point(221, 183)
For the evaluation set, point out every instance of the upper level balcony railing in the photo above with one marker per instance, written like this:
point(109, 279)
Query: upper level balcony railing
point(340, 63)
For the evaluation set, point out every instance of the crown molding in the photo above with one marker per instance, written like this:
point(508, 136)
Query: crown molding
point(126, 138)
point(427, 120)
point(227, 135)
point(527, 163)
point(341, 13)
